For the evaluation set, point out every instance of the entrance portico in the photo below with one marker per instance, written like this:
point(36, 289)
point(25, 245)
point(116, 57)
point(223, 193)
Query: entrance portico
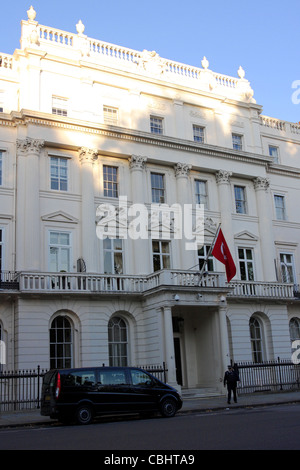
point(194, 338)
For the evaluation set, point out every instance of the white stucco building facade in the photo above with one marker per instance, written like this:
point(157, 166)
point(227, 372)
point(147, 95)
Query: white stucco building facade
point(86, 124)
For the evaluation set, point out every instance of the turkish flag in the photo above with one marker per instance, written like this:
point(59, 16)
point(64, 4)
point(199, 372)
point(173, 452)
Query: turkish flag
point(222, 253)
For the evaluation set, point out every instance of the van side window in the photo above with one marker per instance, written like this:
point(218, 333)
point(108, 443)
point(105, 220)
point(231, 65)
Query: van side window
point(112, 377)
point(80, 378)
point(140, 378)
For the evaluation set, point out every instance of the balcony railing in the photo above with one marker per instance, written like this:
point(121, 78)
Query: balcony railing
point(63, 282)
point(250, 289)
point(92, 283)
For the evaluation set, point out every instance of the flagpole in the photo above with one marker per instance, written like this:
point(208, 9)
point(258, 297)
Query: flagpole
point(209, 253)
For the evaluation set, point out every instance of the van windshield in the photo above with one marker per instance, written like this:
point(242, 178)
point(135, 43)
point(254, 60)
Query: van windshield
point(140, 378)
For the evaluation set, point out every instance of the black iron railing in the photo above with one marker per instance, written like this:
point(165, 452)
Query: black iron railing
point(270, 376)
point(21, 390)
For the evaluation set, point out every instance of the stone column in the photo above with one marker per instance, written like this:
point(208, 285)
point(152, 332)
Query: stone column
point(169, 346)
point(188, 257)
point(224, 343)
point(140, 246)
point(225, 204)
point(264, 211)
point(28, 205)
point(87, 158)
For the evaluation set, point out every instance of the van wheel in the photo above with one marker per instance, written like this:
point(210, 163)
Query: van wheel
point(84, 414)
point(168, 408)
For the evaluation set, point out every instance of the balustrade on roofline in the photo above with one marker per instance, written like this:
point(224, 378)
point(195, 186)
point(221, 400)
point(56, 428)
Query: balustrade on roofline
point(113, 51)
point(6, 61)
point(279, 125)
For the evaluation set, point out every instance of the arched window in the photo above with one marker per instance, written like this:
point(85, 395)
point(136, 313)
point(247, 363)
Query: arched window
point(294, 329)
point(117, 342)
point(256, 340)
point(61, 354)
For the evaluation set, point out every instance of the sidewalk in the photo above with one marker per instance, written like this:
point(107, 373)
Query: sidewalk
point(190, 405)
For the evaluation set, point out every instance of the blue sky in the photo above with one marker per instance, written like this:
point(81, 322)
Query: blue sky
point(261, 36)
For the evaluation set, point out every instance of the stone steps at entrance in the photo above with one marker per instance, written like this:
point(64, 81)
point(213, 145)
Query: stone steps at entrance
point(204, 392)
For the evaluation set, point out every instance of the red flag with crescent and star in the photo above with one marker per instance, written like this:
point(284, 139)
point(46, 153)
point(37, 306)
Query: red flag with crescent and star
point(222, 253)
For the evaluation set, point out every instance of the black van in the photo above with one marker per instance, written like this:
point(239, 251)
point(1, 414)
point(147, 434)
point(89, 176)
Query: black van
point(86, 392)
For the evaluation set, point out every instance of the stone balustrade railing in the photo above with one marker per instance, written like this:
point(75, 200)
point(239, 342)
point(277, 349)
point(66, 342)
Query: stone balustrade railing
point(122, 283)
point(144, 62)
point(279, 125)
point(83, 282)
point(250, 289)
point(56, 36)
point(6, 61)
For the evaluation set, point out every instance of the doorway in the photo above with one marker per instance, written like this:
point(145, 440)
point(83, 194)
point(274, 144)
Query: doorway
point(178, 362)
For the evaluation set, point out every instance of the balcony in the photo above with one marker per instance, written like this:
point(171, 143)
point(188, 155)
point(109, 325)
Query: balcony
point(84, 283)
point(120, 283)
point(262, 290)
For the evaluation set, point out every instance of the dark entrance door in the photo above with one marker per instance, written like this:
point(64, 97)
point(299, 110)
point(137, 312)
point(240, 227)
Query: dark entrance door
point(178, 360)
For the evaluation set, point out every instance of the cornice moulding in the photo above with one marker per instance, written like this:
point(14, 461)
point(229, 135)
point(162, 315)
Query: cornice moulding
point(45, 119)
point(25, 117)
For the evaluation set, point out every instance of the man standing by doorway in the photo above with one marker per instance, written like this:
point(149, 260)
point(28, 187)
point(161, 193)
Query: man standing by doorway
point(230, 379)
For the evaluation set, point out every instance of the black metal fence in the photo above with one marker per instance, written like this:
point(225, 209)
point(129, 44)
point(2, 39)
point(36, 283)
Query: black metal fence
point(9, 280)
point(271, 376)
point(21, 390)
point(159, 371)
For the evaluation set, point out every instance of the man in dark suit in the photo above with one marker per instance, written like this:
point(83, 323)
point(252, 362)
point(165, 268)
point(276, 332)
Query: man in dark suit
point(230, 379)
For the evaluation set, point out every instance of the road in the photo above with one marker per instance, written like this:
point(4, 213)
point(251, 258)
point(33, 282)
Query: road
point(267, 428)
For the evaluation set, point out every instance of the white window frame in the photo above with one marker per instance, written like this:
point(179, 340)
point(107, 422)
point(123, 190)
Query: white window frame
point(287, 269)
point(201, 196)
point(60, 179)
point(258, 354)
point(60, 247)
point(156, 125)
point(246, 261)
point(198, 133)
point(60, 106)
point(118, 348)
point(159, 191)
point(294, 327)
point(280, 211)
point(162, 255)
point(112, 189)
point(110, 115)
point(210, 266)
point(237, 141)
point(274, 153)
point(240, 204)
point(111, 249)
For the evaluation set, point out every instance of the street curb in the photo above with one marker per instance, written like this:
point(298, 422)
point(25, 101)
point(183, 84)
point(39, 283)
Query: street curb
point(237, 406)
point(181, 412)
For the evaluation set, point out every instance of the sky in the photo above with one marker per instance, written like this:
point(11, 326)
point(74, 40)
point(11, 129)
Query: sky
point(260, 35)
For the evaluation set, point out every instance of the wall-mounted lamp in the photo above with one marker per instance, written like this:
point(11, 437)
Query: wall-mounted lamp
point(176, 297)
